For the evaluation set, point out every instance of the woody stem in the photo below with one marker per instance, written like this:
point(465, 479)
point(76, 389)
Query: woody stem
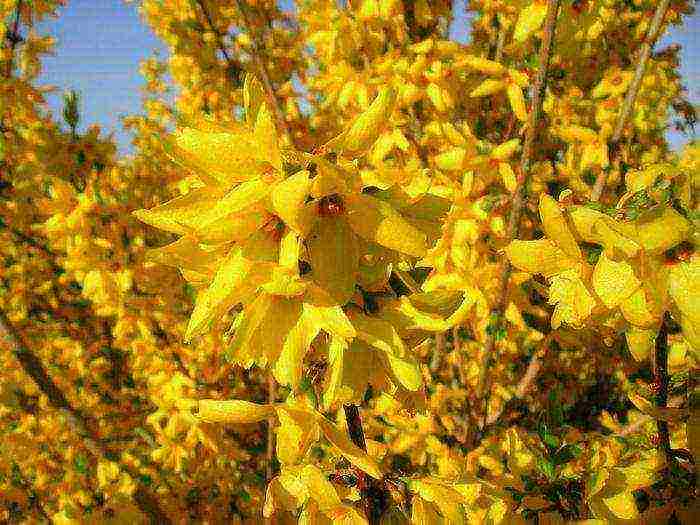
point(518, 199)
point(631, 96)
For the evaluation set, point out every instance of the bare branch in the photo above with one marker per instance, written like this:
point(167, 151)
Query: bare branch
point(262, 70)
point(643, 420)
point(518, 200)
point(33, 367)
point(631, 96)
point(14, 38)
point(659, 368)
point(523, 387)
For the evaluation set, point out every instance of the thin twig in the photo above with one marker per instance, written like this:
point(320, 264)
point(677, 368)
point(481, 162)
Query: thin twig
point(518, 200)
point(31, 364)
point(523, 386)
point(14, 39)
point(631, 96)
point(271, 398)
point(438, 352)
point(675, 401)
point(500, 43)
point(263, 72)
point(373, 492)
point(659, 368)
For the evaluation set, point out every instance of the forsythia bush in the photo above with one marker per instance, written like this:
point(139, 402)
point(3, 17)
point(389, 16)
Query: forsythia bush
point(355, 271)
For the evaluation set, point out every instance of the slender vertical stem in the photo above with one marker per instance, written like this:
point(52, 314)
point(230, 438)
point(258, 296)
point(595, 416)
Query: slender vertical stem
point(374, 495)
point(456, 345)
point(263, 72)
point(354, 421)
point(32, 366)
point(438, 352)
point(14, 38)
point(500, 43)
point(271, 396)
point(631, 96)
point(659, 364)
point(217, 34)
point(526, 381)
point(518, 199)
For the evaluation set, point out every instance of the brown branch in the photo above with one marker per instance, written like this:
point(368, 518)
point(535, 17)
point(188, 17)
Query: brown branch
point(31, 364)
point(374, 494)
point(263, 72)
point(675, 401)
point(518, 200)
point(14, 38)
point(500, 43)
point(631, 96)
point(523, 386)
point(438, 352)
point(271, 398)
point(659, 368)
point(232, 64)
point(355, 430)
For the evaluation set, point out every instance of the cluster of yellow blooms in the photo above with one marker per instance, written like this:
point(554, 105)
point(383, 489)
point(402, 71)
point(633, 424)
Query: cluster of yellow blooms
point(286, 309)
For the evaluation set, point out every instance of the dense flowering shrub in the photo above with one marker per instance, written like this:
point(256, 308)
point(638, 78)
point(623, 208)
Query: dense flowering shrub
point(357, 272)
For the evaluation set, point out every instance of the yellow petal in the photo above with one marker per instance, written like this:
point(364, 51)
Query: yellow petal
point(556, 228)
point(424, 512)
point(488, 87)
point(189, 256)
point(231, 411)
point(573, 302)
point(577, 133)
point(336, 361)
point(233, 228)
point(382, 335)
point(265, 136)
point(298, 430)
point(614, 281)
point(288, 368)
point(406, 371)
point(288, 198)
point(596, 227)
point(365, 130)
point(506, 150)
point(225, 291)
point(253, 97)
point(319, 488)
point(529, 20)
point(684, 288)
point(622, 505)
point(483, 65)
point(376, 220)
point(440, 97)
point(437, 311)
point(182, 214)
point(640, 310)
point(510, 181)
point(355, 455)
point(448, 500)
point(451, 160)
point(662, 230)
point(334, 257)
point(517, 101)
point(640, 342)
point(227, 157)
point(239, 198)
point(540, 256)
